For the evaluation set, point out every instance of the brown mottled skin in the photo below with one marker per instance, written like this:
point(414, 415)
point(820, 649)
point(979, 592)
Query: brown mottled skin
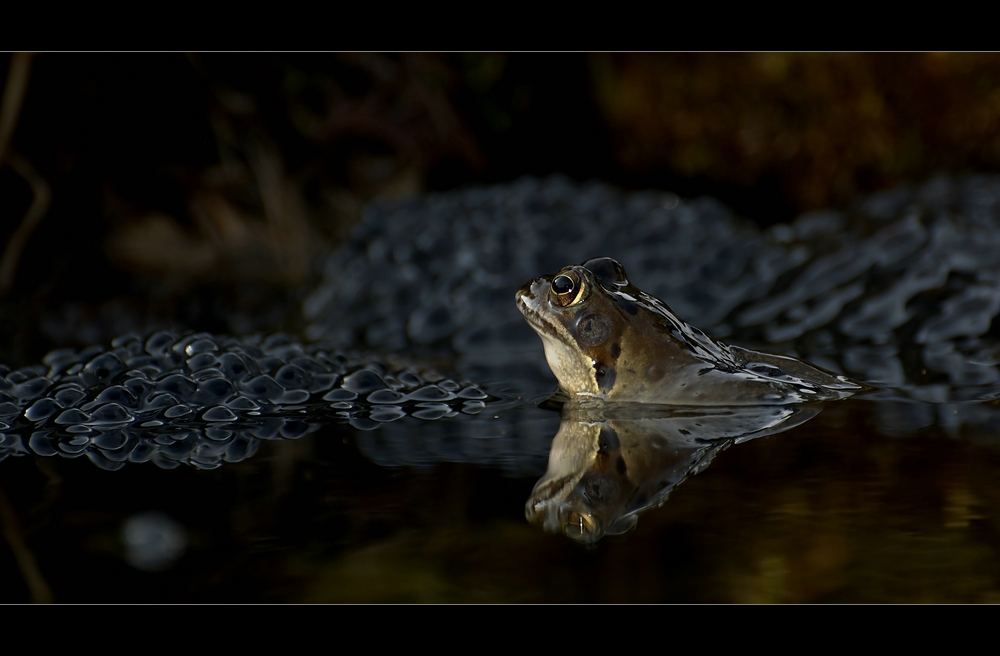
point(607, 341)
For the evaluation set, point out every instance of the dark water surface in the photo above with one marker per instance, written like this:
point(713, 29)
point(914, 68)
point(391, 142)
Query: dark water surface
point(168, 473)
point(842, 508)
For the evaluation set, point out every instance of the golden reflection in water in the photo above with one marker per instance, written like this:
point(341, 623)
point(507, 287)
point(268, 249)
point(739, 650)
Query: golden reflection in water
point(833, 510)
point(608, 464)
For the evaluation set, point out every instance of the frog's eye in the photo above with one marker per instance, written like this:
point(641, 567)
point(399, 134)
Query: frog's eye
point(567, 288)
point(562, 285)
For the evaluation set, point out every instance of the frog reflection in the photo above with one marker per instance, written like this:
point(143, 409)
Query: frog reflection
point(606, 340)
point(610, 463)
point(651, 399)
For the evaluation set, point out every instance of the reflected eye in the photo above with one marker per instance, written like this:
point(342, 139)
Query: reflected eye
point(567, 288)
point(579, 525)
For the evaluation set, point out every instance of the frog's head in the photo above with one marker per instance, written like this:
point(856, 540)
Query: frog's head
point(597, 329)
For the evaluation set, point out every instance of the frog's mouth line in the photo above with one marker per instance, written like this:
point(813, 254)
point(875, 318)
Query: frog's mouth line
point(536, 320)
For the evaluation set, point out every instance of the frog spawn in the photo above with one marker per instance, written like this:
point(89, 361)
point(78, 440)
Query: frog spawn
point(203, 400)
point(896, 292)
point(901, 291)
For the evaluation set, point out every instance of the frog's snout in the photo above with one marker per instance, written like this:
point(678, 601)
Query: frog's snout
point(532, 290)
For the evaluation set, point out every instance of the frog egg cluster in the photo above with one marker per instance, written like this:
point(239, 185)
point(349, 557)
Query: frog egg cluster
point(451, 280)
point(900, 290)
point(204, 399)
point(449, 283)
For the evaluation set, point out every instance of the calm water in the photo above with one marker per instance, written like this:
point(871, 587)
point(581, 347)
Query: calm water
point(863, 500)
point(858, 504)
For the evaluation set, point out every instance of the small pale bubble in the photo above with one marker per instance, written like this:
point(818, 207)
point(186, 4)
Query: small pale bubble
point(201, 361)
point(104, 367)
point(111, 413)
point(473, 407)
point(430, 393)
point(41, 410)
point(42, 444)
point(340, 394)
point(385, 396)
point(387, 413)
point(203, 345)
point(159, 342)
point(177, 385)
point(410, 379)
point(293, 397)
point(32, 388)
point(218, 434)
point(323, 382)
point(429, 415)
point(291, 377)
point(242, 404)
point(60, 358)
point(110, 441)
point(472, 393)
point(294, 429)
point(102, 461)
point(75, 444)
point(72, 416)
point(159, 401)
point(117, 394)
point(364, 424)
point(219, 413)
point(78, 428)
point(364, 381)
point(240, 449)
point(178, 410)
point(262, 388)
point(68, 397)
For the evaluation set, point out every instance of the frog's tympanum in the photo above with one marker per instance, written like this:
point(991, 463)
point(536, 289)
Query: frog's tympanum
point(608, 341)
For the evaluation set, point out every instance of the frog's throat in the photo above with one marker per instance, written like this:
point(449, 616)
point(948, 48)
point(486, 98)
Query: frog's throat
point(571, 370)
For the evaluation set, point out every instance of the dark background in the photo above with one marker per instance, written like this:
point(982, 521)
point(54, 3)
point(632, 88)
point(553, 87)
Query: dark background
point(199, 190)
point(146, 190)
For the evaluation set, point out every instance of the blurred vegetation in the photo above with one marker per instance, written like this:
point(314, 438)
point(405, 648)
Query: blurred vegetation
point(822, 128)
point(199, 190)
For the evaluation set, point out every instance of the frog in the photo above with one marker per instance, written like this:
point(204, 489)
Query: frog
point(607, 341)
